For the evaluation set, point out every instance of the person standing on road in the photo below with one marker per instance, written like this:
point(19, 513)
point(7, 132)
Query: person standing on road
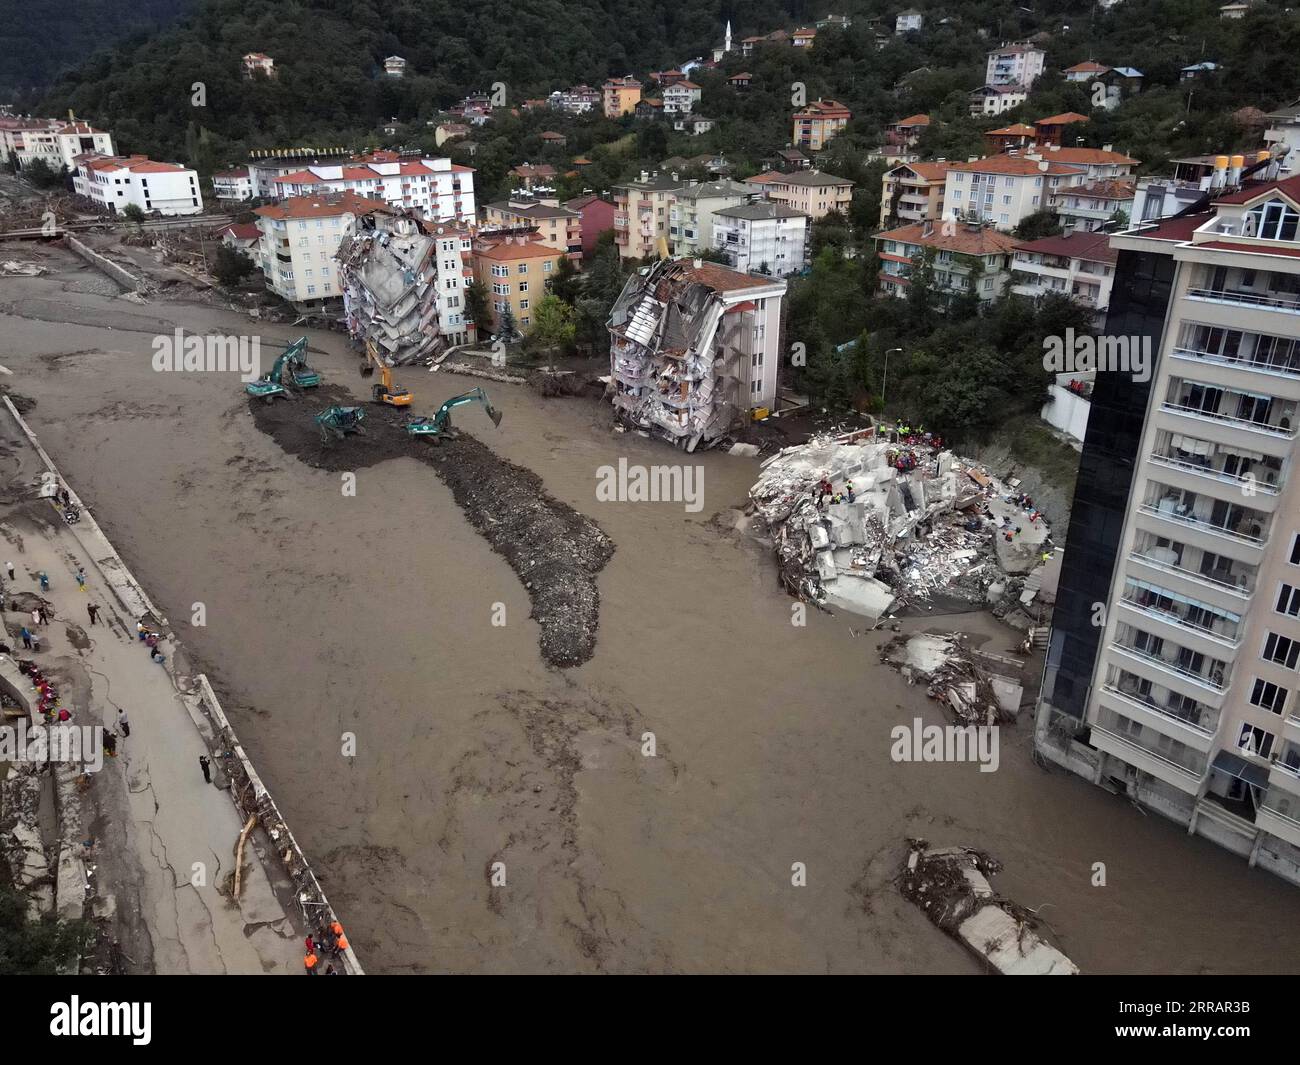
point(93, 611)
point(10, 567)
point(27, 637)
point(204, 764)
point(45, 614)
point(81, 579)
point(122, 722)
point(44, 578)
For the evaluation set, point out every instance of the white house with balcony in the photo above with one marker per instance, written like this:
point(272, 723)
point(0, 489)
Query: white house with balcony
point(762, 237)
point(1014, 64)
point(1080, 265)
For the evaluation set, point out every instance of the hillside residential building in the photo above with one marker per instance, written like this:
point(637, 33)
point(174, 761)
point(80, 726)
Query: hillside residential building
point(817, 124)
point(551, 139)
point(969, 257)
point(395, 66)
point(1086, 71)
point(56, 142)
point(767, 238)
point(912, 193)
point(530, 174)
point(909, 21)
point(299, 239)
point(234, 186)
point(1017, 136)
point(1098, 164)
point(803, 38)
point(811, 192)
point(641, 214)
point(257, 63)
point(514, 268)
point(1180, 692)
point(596, 216)
point(112, 182)
point(438, 188)
point(1014, 64)
point(620, 95)
point(694, 125)
point(242, 237)
point(680, 97)
point(907, 131)
point(1284, 126)
point(691, 214)
point(995, 99)
point(1053, 129)
point(1090, 206)
point(1005, 189)
point(694, 347)
point(556, 227)
point(576, 101)
point(741, 81)
point(1078, 265)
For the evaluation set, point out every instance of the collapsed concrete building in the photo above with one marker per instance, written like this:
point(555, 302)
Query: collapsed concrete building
point(694, 349)
point(918, 523)
point(403, 283)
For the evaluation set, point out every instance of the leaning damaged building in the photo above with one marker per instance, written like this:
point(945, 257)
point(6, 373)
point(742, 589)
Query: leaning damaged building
point(872, 526)
point(403, 285)
point(694, 349)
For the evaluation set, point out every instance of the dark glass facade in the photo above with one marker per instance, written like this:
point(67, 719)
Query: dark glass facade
point(1138, 303)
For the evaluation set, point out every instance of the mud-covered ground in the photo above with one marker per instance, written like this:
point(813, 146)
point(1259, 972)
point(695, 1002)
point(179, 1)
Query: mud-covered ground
point(556, 551)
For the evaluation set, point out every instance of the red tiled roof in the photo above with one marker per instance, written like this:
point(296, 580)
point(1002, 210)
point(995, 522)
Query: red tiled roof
point(721, 279)
point(964, 240)
point(321, 206)
point(1019, 129)
point(1013, 165)
point(1095, 247)
point(241, 231)
point(914, 120)
point(1288, 187)
point(1103, 190)
point(1253, 249)
point(928, 171)
point(1088, 156)
point(510, 249)
point(1062, 119)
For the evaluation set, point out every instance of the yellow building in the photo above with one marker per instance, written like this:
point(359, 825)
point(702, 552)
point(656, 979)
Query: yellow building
point(817, 123)
point(557, 227)
point(621, 95)
point(514, 268)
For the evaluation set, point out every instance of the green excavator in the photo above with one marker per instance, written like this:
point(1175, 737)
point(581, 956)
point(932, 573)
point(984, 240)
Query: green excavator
point(437, 428)
point(337, 422)
point(289, 371)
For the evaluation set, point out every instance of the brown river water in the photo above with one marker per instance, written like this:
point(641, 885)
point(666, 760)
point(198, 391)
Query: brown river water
point(329, 614)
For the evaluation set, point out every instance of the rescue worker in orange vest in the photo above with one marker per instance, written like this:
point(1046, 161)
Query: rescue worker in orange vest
point(340, 944)
point(310, 962)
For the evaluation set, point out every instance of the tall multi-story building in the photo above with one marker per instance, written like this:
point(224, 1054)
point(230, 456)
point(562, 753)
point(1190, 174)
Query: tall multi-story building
point(694, 347)
point(693, 211)
point(815, 125)
point(767, 238)
point(300, 237)
point(965, 258)
point(642, 214)
point(680, 97)
point(113, 182)
point(1079, 265)
point(1014, 64)
point(1089, 207)
point(1171, 672)
point(1005, 189)
point(813, 192)
point(556, 227)
point(514, 268)
point(620, 96)
point(440, 190)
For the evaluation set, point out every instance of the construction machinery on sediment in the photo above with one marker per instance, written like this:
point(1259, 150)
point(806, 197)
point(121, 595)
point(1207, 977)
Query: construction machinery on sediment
point(385, 391)
point(288, 373)
point(437, 427)
point(337, 422)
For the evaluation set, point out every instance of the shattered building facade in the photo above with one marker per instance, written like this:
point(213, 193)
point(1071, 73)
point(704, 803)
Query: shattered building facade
point(403, 283)
point(694, 348)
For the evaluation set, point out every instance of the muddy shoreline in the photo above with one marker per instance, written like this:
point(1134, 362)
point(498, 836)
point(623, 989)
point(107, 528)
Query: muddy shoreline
point(556, 552)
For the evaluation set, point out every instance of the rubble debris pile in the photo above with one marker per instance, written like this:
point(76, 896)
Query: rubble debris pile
point(951, 884)
point(556, 552)
point(955, 677)
point(874, 526)
point(389, 275)
point(682, 337)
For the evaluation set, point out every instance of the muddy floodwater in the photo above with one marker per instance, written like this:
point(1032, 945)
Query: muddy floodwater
point(373, 614)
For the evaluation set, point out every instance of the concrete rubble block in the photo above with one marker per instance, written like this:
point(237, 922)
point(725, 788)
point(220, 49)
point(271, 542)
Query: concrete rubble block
point(70, 881)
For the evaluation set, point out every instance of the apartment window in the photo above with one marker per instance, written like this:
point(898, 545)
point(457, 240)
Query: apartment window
point(500, 271)
point(525, 320)
point(546, 266)
point(523, 268)
point(1006, 200)
point(523, 286)
point(501, 289)
point(1295, 550)
point(320, 223)
point(1268, 696)
point(1274, 220)
point(329, 287)
point(306, 273)
point(311, 290)
point(1280, 649)
point(1255, 741)
point(1288, 601)
point(302, 242)
point(959, 177)
point(523, 305)
point(302, 225)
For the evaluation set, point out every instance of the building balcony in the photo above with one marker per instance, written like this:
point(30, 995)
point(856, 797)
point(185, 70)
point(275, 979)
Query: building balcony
point(1240, 585)
point(1271, 819)
point(1184, 617)
point(1265, 484)
point(1210, 678)
point(1207, 513)
point(1284, 366)
point(1185, 777)
point(1262, 301)
point(1189, 714)
point(1276, 425)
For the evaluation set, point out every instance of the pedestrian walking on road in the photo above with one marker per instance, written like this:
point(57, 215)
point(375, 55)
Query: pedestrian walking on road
point(81, 578)
point(27, 637)
point(10, 567)
point(45, 580)
point(93, 611)
point(45, 614)
point(123, 723)
point(204, 764)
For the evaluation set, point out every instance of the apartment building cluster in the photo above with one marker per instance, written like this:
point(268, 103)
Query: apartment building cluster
point(56, 142)
point(300, 236)
point(1173, 667)
point(694, 348)
point(114, 182)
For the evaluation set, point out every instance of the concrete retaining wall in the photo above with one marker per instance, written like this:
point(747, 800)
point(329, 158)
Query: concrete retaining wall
point(120, 274)
point(247, 791)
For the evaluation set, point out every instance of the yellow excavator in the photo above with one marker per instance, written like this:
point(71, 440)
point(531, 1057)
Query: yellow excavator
point(385, 391)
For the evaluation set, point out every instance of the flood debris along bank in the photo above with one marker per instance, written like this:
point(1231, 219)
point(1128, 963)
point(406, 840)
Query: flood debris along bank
point(875, 525)
point(556, 552)
point(951, 884)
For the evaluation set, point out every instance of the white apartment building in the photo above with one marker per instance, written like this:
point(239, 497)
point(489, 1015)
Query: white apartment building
point(909, 21)
point(112, 182)
point(1099, 164)
point(989, 100)
point(439, 189)
point(234, 185)
point(56, 142)
point(813, 192)
point(1079, 265)
point(681, 97)
point(765, 238)
point(692, 213)
point(1005, 189)
point(395, 66)
point(299, 238)
point(1090, 206)
point(258, 63)
point(1014, 64)
point(1193, 703)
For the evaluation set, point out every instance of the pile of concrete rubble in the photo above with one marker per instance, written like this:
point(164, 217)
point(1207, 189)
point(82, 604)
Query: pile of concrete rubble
point(902, 523)
point(977, 689)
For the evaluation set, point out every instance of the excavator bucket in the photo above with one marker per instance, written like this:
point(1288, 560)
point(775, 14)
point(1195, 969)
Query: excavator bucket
point(494, 414)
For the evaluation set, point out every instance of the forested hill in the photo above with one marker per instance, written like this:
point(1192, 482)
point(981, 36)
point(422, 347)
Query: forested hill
point(41, 39)
point(329, 87)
